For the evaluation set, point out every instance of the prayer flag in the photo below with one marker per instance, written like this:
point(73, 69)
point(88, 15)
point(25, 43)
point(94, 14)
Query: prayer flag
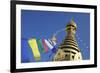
point(40, 45)
point(45, 45)
point(51, 45)
point(34, 47)
point(48, 44)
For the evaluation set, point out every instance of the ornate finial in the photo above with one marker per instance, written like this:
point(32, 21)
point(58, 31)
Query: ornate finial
point(71, 24)
point(72, 18)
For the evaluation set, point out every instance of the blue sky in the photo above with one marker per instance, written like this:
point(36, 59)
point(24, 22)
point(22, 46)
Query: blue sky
point(43, 24)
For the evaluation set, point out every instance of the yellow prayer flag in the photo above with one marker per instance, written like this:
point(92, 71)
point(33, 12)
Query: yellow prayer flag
point(35, 50)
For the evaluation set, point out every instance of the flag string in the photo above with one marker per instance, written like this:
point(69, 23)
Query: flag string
point(58, 31)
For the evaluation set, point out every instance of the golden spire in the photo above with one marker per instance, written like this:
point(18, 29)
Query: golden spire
point(69, 49)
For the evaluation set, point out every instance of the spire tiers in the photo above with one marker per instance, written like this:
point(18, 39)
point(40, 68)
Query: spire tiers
point(68, 49)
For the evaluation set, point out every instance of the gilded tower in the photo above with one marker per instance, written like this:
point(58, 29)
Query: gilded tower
point(69, 50)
